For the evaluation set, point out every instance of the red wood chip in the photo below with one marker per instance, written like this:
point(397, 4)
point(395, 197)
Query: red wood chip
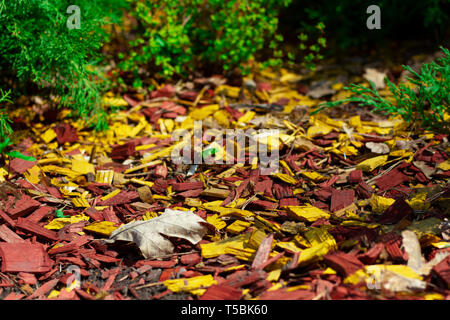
point(33, 227)
point(191, 259)
point(183, 186)
point(24, 257)
point(393, 247)
point(157, 263)
point(65, 248)
point(40, 213)
point(161, 171)
point(19, 208)
point(190, 193)
point(263, 186)
point(28, 278)
point(263, 205)
point(7, 219)
point(345, 264)
point(282, 294)
point(396, 212)
point(221, 292)
point(109, 215)
point(243, 278)
point(364, 191)
point(355, 176)
point(323, 194)
point(442, 271)
point(94, 214)
point(121, 198)
point(122, 152)
point(66, 133)
point(166, 91)
point(21, 165)
point(14, 296)
point(289, 202)
point(391, 179)
point(9, 236)
point(372, 254)
point(263, 252)
point(341, 199)
point(84, 295)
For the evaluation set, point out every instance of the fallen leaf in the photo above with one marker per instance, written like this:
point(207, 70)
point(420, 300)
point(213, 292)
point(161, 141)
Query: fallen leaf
point(376, 77)
point(412, 247)
point(151, 235)
point(380, 148)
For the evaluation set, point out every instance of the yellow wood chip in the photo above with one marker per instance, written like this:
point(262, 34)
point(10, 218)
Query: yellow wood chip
point(288, 246)
point(62, 171)
point(379, 204)
point(82, 166)
point(189, 284)
point(372, 163)
point(104, 228)
point(48, 135)
point(255, 238)
point(246, 254)
point(32, 174)
point(285, 178)
point(314, 176)
point(307, 213)
point(142, 182)
point(249, 115)
point(317, 236)
point(373, 272)
point(104, 176)
point(215, 249)
point(315, 253)
point(59, 223)
point(159, 154)
point(80, 202)
point(110, 195)
point(203, 112)
point(445, 166)
point(145, 146)
point(238, 226)
point(274, 275)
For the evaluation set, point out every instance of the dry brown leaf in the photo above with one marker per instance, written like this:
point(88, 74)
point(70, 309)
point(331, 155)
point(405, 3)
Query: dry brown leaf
point(376, 77)
point(151, 236)
point(379, 148)
point(412, 248)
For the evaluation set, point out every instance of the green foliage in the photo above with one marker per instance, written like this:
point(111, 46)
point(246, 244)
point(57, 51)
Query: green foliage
point(5, 127)
point(175, 37)
point(37, 46)
point(428, 103)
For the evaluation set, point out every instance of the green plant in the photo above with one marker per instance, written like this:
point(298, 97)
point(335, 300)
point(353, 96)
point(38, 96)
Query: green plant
point(37, 47)
point(173, 37)
point(6, 130)
point(428, 102)
point(5, 127)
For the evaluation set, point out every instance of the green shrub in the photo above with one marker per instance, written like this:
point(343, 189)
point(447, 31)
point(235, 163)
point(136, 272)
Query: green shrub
point(5, 126)
point(428, 102)
point(173, 37)
point(37, 47)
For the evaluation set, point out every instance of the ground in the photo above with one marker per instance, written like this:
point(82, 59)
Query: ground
point(356, 210)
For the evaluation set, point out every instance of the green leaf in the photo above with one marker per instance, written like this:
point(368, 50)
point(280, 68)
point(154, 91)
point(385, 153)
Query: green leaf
point(17, 154)
point(59, 214)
